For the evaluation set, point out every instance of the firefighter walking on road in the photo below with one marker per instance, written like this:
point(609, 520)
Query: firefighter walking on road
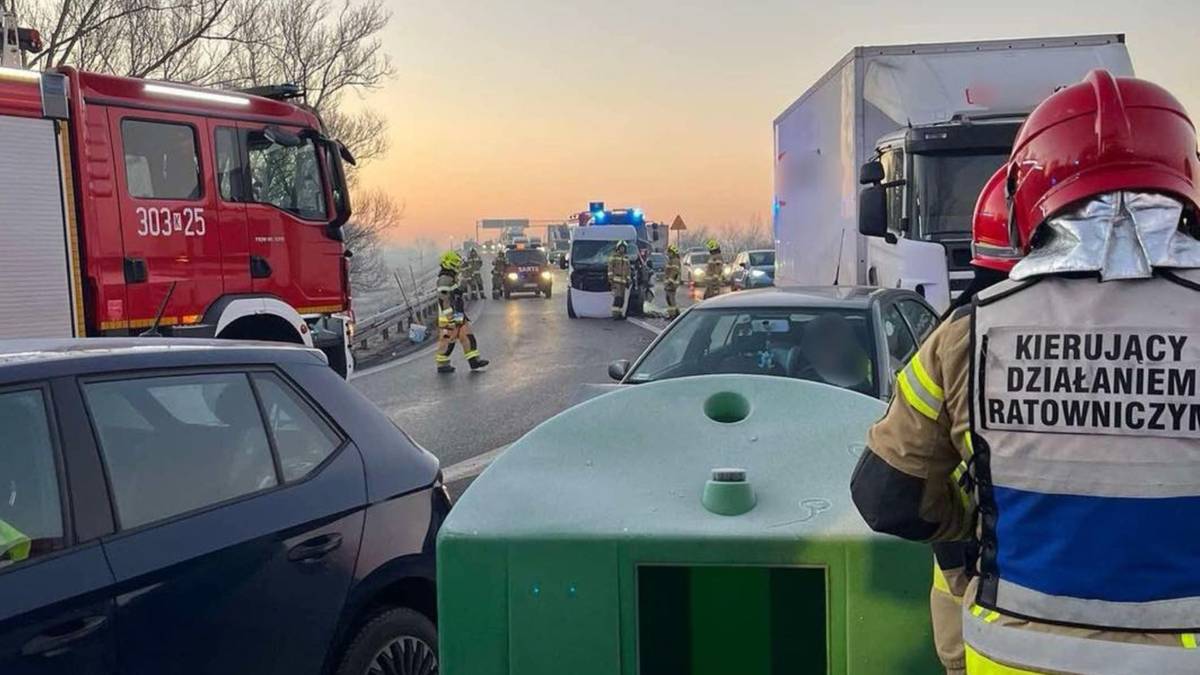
point(453, 323)
point(714, 269)
point(1069, 391)
point(619, 278)
point(672, 278)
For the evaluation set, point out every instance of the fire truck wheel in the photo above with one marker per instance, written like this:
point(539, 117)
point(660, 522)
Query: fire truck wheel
point(507, 294)
point(399, 641)
point(546, 293)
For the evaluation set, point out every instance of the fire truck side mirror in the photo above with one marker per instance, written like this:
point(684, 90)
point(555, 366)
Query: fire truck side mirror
point(334, 153)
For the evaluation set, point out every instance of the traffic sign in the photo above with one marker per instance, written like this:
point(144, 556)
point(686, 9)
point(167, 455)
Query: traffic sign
point(504, 223)
point(678, 224)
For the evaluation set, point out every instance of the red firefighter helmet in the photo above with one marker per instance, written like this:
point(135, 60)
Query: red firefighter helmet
point(1101, 135)
point(989, 228)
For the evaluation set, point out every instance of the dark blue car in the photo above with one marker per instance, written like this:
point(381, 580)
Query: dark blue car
point(191, 507)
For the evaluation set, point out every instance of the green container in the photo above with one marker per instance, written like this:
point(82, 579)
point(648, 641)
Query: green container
point(587, 548)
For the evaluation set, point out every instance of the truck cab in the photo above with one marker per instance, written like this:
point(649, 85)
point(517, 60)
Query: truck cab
point(170, 209)
point(929, 179)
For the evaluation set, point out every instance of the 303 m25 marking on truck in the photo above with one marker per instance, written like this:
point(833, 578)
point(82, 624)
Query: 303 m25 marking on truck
point(164, 222)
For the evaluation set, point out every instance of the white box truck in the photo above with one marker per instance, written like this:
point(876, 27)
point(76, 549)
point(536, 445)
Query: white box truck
point(925, 126)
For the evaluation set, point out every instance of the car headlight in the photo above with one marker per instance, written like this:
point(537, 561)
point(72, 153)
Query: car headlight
point(698, 272)
point(757, 274)
point(727, 269)
point(512, 276)
point(546, 276)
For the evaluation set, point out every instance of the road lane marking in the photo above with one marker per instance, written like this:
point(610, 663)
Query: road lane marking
point(471, 467)
point(642, 324)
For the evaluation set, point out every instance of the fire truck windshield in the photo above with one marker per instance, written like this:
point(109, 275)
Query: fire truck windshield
point(944, 189)
point(288, 177)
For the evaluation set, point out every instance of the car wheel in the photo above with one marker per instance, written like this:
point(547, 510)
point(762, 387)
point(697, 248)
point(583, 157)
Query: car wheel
point(394, 642)
point(570, 306)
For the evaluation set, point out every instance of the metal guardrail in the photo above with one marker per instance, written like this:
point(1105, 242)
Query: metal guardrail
point(385, 326)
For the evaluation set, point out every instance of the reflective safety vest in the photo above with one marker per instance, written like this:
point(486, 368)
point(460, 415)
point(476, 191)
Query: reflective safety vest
point(1085, 423)
point(14, 544)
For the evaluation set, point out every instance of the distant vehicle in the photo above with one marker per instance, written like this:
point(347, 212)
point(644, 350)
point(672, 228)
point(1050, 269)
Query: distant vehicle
point(526, 270)
point(924, 126)
point(694, 262)
point(658, 263)
point(589, 294)
point(241, 490)
point(753, 269)
point(866, 336)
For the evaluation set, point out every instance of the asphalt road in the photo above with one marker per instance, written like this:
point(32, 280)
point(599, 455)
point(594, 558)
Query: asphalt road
point(539, 358)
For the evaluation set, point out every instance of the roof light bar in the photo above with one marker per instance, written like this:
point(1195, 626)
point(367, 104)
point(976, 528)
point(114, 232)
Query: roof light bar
point(196, 95)
point(19, 74)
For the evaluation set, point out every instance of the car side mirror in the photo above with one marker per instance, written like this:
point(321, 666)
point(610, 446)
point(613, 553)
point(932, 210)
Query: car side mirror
point(872, 212)
point(743, 265)
point(618, 368)
point(871, 173)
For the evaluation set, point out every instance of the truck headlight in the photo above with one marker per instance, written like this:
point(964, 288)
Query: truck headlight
point(512, 276)
point(727, 269)
point(698, 272)
point(546, 275)
point(757, 274)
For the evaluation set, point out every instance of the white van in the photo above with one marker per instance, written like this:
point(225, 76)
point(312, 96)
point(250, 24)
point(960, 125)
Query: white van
point(588, 293)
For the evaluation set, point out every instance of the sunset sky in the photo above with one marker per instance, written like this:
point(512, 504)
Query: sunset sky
point(532, 108)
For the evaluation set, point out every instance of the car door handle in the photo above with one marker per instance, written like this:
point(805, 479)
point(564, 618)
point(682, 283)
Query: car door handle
point(56, 640)
point(314, 549)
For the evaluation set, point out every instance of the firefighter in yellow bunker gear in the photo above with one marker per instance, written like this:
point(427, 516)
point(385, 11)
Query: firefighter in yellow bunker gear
point(714, 270)
point(1042, 423)
point(618, 278)
point(453, 323)
point(672, 278)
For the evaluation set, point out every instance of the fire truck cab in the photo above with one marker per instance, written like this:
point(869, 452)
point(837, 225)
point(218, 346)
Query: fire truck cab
point(131, 205)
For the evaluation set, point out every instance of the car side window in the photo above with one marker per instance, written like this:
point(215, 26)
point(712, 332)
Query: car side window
point(205, 443)
point(302, 438)
point(31, 523)
point(900, 341)
point(161, 161)
point(919, 317)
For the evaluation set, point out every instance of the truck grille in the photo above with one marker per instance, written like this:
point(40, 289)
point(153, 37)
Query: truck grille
point(590, 280)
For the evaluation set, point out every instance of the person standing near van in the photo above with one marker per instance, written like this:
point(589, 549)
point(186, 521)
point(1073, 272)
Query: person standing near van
point(714, 269)
point(672, 278)
point(618, 278)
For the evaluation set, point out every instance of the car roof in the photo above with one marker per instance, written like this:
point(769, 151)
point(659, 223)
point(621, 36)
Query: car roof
point(27, 359)
point(857, 297)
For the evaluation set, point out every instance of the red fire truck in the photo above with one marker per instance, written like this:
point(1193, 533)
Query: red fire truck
point(131, 205)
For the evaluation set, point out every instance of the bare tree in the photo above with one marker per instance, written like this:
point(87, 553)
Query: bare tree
point(375, 215)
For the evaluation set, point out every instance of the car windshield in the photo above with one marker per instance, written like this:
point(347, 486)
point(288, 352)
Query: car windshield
point(591, 251)
point(829, 345)
point(762, 258)
point(526, 257)
point(945, 188)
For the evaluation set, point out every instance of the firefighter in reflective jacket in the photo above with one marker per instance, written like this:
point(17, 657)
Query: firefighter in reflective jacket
point(453, 323)
point(618, 278)
point(714, 269)
point(1069, 391)
point(672, 278)
point(498, 264)
point(474, 275)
